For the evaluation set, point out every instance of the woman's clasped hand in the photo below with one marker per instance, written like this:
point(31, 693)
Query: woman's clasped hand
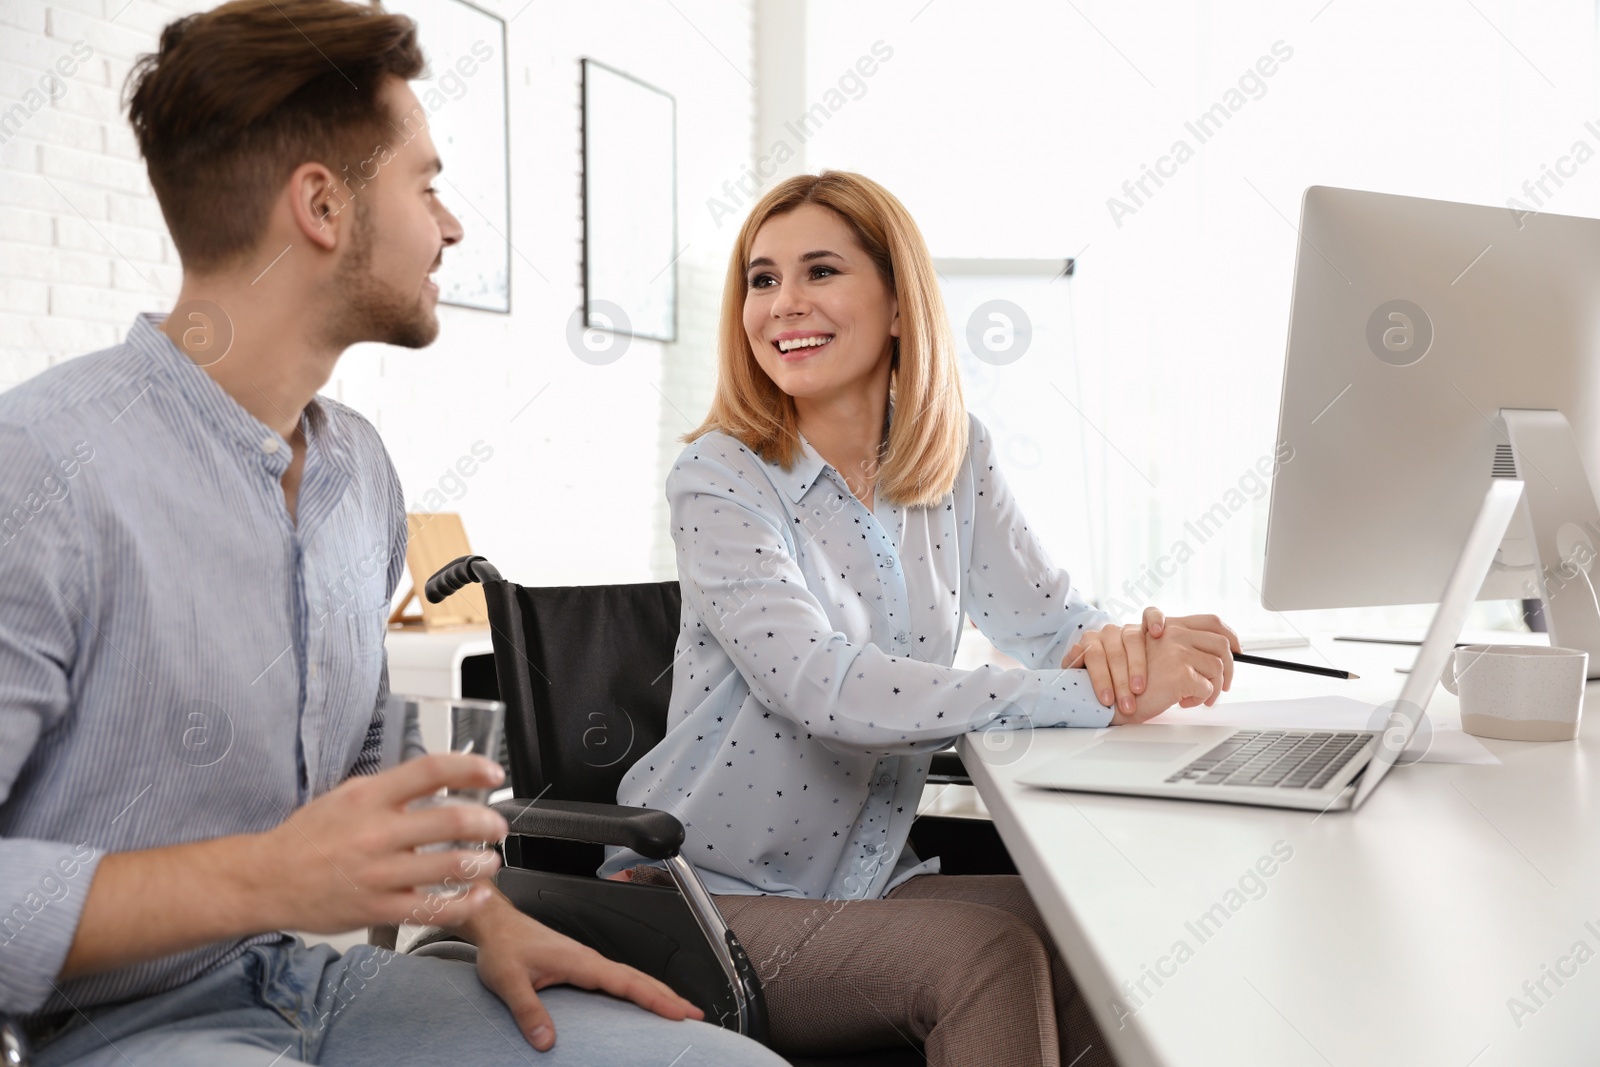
point(1143, 669)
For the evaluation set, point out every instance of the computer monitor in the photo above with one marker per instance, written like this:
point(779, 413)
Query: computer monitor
point(1433, 345)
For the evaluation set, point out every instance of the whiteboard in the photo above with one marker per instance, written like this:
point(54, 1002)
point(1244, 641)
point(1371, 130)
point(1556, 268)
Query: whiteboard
point(1011, 320)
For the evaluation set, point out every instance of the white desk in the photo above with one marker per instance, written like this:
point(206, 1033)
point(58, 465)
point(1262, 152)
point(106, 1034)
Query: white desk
point(428, 662)
point(1392, 935)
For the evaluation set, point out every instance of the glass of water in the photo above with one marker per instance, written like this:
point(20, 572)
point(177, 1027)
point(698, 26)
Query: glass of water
point(451, 724)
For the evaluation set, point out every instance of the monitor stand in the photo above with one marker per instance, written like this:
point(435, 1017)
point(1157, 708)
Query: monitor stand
point(1563, 523)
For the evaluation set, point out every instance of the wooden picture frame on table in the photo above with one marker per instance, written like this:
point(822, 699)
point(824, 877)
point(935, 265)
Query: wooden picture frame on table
point(436, 538)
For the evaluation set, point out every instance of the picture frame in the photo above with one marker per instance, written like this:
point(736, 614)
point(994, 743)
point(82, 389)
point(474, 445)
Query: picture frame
point(466, 100)
point(630, 205)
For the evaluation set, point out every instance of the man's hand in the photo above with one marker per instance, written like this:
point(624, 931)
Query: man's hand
point(518, 955)
point(349, 858)
point(345, 860)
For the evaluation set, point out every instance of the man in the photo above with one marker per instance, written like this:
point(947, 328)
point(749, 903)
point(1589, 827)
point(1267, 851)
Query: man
point(195, 570)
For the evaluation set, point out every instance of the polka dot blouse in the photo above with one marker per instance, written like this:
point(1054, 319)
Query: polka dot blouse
point(812, 677)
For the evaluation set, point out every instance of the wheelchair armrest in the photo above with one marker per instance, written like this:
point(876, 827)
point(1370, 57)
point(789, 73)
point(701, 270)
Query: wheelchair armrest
point(655, 834)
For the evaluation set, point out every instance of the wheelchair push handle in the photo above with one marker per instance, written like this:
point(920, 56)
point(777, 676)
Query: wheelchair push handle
point(459, 572)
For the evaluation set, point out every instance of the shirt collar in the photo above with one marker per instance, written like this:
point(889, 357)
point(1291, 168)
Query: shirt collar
point(803, 474)
point(809, 465)
point(203, 394)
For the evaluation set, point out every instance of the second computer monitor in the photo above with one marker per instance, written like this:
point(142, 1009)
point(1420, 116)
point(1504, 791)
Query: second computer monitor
point(1414, 323)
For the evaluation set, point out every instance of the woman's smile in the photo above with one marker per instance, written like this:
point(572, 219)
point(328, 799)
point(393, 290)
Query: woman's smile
point(796, 345)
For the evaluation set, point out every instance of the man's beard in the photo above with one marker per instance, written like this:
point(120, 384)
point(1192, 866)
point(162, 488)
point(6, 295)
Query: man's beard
point(374, 311)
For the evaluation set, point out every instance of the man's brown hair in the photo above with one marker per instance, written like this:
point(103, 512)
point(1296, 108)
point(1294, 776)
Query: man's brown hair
point(239, 96)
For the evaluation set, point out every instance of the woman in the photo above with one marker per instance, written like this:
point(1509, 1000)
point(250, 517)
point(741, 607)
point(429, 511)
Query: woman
point(836, 517)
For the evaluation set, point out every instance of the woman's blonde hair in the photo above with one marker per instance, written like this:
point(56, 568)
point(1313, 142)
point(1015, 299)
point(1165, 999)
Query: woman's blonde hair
point(928, 434)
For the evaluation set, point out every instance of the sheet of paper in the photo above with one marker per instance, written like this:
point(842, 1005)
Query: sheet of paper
point(1443, 741)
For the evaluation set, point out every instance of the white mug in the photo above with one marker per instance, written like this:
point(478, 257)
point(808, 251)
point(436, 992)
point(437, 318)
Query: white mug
point(1519, 692)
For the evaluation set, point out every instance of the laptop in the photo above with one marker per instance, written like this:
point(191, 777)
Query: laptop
point(1317, 770)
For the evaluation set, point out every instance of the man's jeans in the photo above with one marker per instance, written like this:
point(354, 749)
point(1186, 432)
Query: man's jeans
point(288, 1004)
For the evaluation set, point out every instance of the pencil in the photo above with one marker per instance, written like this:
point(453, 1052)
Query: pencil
point(1283, 664)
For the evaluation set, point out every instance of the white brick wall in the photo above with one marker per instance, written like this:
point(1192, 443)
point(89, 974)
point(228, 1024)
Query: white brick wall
point(82, 244)
point(573, 493)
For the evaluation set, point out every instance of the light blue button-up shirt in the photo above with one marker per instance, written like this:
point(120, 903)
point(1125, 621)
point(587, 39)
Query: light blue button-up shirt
point(813, 674)
point(179, 660)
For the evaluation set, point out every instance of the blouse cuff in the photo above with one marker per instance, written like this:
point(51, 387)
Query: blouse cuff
point(1067, 699)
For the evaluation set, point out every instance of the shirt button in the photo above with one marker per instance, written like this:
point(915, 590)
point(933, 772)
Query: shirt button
point(871, 849)
point(902, 637)
point(270, 445)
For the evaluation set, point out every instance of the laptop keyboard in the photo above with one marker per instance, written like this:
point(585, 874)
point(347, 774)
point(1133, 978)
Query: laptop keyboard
point(1280, 759)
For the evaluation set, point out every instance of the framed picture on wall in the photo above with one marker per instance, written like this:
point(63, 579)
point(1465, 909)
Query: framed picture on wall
point(464, 97)
point(630, 205)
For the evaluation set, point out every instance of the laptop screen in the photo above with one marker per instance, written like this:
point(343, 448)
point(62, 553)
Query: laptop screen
point(1472, 567)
